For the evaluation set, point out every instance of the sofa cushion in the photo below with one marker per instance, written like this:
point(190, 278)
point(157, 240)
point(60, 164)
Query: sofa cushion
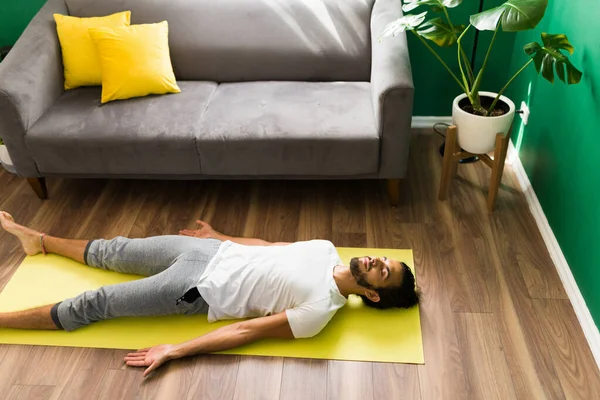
point(150, 135)
point(252, 40)
point(135, 61)
point(289, 128)
point(80, 58)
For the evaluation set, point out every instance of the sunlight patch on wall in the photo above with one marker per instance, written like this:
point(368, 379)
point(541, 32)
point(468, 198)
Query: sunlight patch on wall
point(315, 7)
point(522, 127)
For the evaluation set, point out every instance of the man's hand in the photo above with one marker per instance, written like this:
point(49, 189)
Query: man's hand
point(205, 231)
point(152, 357)
point(224, 338)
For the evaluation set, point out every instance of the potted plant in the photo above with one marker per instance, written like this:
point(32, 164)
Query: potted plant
point(480, 115)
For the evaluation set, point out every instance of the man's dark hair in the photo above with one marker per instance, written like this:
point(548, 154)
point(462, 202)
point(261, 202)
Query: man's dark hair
point(405, 295)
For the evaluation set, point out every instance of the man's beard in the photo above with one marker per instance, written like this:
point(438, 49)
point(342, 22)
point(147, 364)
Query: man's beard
point(358, 274)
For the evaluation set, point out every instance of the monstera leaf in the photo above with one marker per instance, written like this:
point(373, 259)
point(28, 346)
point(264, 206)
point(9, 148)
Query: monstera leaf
point(549, 57)
point(410, 5)
point(404, 23)
point(514, 15)
point(439, 32)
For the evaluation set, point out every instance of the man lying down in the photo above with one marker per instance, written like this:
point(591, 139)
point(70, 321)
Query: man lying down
point(289, 290)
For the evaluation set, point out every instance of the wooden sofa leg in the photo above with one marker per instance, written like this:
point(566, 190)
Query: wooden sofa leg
point(39, 187)
point(393, 186)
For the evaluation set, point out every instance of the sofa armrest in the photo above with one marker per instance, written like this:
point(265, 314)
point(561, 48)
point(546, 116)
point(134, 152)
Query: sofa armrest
point(31, 79)
point(392, 90)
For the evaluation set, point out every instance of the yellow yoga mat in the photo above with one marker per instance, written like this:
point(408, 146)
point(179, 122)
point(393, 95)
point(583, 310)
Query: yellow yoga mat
point(356, 332)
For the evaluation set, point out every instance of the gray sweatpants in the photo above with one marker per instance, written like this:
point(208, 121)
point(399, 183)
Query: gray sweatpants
point(172, 264)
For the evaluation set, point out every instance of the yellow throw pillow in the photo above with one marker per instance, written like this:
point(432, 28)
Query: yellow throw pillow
point(135, 61)
point(80, 58)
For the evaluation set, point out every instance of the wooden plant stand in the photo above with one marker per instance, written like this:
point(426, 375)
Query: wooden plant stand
point(453, 154)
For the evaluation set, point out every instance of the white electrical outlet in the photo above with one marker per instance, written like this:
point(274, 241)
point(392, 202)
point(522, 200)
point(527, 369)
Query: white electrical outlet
point(525, 112)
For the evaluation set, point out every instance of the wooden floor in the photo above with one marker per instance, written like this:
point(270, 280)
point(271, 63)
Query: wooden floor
point(497, 323)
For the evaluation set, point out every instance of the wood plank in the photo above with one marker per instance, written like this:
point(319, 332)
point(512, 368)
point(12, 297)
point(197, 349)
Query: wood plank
point(573, 360)
point(440, 343)
point(176, 206)
point(118, 384)
point(534, 261)
point(252, 215)
point(63, 218)
point(215, 377)
point(86, 373)
point(487, 374)
point(187, 202)
point(520, 330)
point(471, 290)
point(349, 239)
point(47, 366)
point(419, 190)
point(396, 381)
point(209, 202)
point(33, 392)
point(316, 212)
point(120, 203)
point(152, 218)
point(258, 378)
point(450, 161)
point(278, 217)
point(348, 213)
point(228, 214)
point(461, 300)
point(10, 185)
point(350, 380)
point(14, 359)
point(468, 193)
point(381, 226)
point(304, 379)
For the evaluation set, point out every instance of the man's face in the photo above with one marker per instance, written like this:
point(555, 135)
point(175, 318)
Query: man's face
point(376, 272)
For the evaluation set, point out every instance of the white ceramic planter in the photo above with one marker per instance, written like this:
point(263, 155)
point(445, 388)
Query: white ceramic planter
point(477, 134)
point(5, 159)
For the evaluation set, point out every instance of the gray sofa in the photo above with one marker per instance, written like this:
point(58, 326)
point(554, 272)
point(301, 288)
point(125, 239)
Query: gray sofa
point(295, 89)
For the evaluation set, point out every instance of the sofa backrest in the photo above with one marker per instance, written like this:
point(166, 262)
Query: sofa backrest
point(247, 40)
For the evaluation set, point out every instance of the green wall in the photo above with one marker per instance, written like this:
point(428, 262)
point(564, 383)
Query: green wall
point(559, 145)
point(14, 17)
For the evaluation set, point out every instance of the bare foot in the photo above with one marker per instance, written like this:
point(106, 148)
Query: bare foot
point(30, 239)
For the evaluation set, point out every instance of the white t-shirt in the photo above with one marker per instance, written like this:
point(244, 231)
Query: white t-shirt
point(256, 281)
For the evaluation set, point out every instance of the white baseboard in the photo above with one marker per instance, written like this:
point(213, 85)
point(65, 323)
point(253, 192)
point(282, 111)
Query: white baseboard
point(428, 122)
point(590, 330)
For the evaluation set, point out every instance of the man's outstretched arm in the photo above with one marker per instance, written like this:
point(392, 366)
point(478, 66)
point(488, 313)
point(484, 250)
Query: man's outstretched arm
point(207, 231)
point(227, 337)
